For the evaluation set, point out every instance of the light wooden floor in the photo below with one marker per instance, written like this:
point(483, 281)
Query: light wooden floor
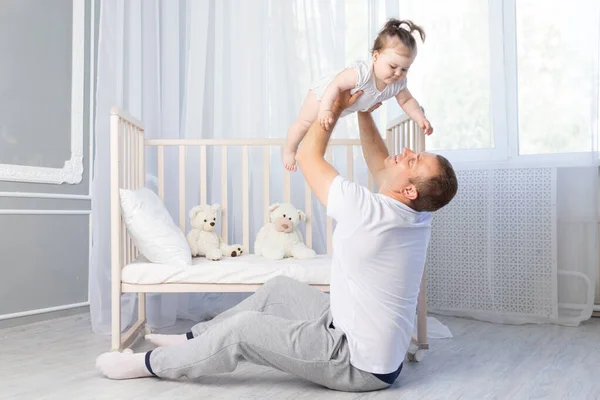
point(55, 360)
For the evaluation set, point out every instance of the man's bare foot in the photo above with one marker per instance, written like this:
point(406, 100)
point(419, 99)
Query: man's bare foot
point(289, 159)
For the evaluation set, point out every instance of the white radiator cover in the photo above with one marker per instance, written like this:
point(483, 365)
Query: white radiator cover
point(493, 248)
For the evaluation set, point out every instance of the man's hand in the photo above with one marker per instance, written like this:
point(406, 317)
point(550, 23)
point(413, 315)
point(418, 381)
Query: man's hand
point(345, 100)
point(375, 107)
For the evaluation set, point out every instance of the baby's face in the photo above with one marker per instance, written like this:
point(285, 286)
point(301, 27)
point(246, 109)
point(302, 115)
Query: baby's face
point(392, 63)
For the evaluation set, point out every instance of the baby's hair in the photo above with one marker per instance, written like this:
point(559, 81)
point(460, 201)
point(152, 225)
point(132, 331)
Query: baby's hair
point(402, 30)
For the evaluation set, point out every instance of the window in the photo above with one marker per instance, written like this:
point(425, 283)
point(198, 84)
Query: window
point(557, 50)
point(501, 79)
point(451, 74)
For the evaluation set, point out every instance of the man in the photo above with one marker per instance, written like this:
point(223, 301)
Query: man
point(356, 338)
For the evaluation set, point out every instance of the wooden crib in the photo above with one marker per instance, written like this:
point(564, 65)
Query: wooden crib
point(128, 151)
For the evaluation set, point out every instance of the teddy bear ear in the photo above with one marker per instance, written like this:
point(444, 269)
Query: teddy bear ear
point(301, 215)
point(273, 207)
point(195, 210)
point(216, 207)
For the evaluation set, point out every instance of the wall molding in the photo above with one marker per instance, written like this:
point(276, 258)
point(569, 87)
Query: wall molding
point(44, 212)
point(72, 171)
point(43, 310)
point(34, 195)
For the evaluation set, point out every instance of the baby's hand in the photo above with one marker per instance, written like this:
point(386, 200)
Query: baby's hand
point(325, 119)
point(425, 126)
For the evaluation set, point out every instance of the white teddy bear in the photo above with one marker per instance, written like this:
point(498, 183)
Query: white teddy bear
point(203, 239)
point(281, 237)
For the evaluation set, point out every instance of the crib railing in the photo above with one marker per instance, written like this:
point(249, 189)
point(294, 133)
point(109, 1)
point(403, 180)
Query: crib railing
point(128, 149)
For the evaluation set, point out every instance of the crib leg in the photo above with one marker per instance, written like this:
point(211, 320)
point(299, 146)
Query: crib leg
point(422, 314)
point(142, 311)
point(119, 343)
point(116, 319)
point(142, 306)
point(418, 345)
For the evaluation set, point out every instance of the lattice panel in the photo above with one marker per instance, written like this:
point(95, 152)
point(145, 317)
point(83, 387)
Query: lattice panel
point(493, 248)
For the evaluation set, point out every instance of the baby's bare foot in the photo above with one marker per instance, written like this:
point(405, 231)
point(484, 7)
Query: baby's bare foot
point(289, 159)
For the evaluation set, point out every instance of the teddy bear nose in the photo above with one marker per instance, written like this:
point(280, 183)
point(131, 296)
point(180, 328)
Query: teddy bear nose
point(285, 225)
point(212, 224)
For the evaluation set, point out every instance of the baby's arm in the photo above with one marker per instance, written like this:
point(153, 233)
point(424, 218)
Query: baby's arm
point(343, 81)
point(411, 106)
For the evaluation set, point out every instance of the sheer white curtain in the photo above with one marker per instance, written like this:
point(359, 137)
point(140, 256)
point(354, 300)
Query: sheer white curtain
point(519, 242)
point(201, 69)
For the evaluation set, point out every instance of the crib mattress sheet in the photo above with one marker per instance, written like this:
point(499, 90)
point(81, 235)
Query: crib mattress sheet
point(247, 269)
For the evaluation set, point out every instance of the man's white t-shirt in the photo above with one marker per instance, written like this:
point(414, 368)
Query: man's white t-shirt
point(379, 250)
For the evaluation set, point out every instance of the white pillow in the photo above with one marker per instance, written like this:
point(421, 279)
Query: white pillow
point(152, 228)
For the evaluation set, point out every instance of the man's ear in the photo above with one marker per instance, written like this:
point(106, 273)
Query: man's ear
point(375, 55)
point(410, 192)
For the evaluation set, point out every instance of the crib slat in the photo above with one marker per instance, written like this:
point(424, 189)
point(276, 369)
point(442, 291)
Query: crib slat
point(245, 201)
point(130, 163)
point(132, 160)
point(266, 183)
point(129, 172)
point(161, 172)
point(308, 212)
point(389, 143)
point(203, 194)
point(124, 154)
point(408, 134)
point(127, 156)
point(136, 154)
point(120, 156)
point(136, 173)
point(142, 159)
point(182, 188)
point(286, 186)
point(329, 158)
point(224, 224)
point(400, 134)
point(122, 184)
point(350, 163)
point(421, 141)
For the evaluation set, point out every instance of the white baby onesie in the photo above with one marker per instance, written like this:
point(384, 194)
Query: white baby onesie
point(365, 82)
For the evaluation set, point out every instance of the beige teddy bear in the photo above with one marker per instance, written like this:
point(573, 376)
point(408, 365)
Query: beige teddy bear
point(281, 237)
point(203, 239)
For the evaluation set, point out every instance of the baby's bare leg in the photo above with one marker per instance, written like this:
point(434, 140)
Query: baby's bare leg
point(297, 131)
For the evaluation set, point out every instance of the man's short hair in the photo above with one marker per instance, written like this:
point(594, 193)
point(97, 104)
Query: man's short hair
point(437, 191)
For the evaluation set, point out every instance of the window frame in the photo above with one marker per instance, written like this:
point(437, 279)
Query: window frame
point(504, 102)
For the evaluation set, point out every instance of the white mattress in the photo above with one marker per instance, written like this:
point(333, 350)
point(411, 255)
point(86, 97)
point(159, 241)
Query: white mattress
point(247, 269)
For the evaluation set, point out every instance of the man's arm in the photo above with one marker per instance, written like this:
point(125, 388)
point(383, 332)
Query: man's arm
point(373, 147)
point(318, 173)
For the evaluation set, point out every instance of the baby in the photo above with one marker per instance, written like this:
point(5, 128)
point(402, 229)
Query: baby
point(381, 78)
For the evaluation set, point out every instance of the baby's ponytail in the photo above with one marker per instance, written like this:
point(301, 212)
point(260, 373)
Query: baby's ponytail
point(402, 30)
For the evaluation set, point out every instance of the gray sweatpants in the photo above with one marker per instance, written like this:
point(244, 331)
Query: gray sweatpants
point(286, 325)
